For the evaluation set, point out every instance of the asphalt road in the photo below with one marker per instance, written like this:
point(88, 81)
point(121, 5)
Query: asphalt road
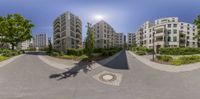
point(30, 78)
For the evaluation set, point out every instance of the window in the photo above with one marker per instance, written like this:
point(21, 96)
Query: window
point(175, 39)
point(175, 25)
point(169, 39)
point(169, 31)
point(175, 31)
point(181, 27)
point(168, 25)
point(104, 41)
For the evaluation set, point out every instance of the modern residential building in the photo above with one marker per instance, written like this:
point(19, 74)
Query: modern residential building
point(104, 35)
point(167, 32)
point(131, 39)
point(41, 40)
point(25, 45)
point(119, 40)
point(67, 32)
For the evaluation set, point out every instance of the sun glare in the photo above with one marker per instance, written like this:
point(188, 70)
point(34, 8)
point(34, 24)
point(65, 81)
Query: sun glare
point(98, 17)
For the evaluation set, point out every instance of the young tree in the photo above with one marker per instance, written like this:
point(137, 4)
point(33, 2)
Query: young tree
point(14, 28)
point(89, 44)
point(197, 22)
point(50, 48)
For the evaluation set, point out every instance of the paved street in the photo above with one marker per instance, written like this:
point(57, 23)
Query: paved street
point(30, 78)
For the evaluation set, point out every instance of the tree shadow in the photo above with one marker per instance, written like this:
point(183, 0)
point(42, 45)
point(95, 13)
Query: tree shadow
point(74, 71)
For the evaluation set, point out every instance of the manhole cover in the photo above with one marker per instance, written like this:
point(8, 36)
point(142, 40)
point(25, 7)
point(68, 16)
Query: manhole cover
point(107, 77)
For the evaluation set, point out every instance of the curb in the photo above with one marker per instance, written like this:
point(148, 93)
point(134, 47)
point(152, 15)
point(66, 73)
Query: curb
point(53, 64)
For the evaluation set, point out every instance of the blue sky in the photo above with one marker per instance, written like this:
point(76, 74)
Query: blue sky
point(124, 15)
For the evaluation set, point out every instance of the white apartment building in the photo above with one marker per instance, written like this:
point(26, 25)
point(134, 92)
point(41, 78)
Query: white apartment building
point(168, 32)
point(67, 32)
point(41, 40)
point(25, 45)
point(131, 39)
point(104, 35)
point(119, 40)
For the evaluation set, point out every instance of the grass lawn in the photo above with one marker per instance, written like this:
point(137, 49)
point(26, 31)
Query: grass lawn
point(3, 58)
point(178, 60)
point(73, 57)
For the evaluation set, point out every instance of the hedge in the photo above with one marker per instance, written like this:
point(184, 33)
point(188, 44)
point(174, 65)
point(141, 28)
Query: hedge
point(164, 58)
point(9, 53)
point(141, 50)
point(185, 60)
point(179, 51)
point(76, 52)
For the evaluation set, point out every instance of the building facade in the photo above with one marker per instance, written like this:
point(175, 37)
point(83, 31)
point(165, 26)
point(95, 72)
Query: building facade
point(41, 40)
point(104, 35)
point(119, 40)
point(67, 32)
point(131, 37)
point(25, 45)
point(167, 32)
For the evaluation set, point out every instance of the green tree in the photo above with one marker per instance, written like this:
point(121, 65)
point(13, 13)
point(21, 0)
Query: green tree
point(50, 48)
point(197, 22)
point(89, 43)
point(14, 28)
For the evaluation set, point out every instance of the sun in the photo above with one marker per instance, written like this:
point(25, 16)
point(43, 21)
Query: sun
point(98, 17)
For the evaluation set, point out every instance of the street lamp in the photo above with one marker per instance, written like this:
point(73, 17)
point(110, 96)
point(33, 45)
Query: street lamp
point(153, 47)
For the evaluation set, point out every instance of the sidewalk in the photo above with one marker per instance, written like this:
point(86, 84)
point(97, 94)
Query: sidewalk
point(62, 64)
point(167, 68)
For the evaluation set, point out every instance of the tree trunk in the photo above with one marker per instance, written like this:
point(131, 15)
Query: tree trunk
point(13, 46)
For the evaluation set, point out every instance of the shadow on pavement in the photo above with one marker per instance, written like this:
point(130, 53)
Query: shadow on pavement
point(35, 53)
point(72, 72)
point(119, 62)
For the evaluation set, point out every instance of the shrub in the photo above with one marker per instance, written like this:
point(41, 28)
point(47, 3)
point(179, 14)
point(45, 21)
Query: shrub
point(140, 53)
point(164, 58)
point(141, 50)
point(179, 51)
point(186, 60)
point(55, 54)
point(9, 53)
point(76, 52)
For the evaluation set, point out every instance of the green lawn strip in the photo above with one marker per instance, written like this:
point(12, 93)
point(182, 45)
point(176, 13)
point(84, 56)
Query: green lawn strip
point(73, 57)
point(178, 60)
point(185, 60)
point(2, 58)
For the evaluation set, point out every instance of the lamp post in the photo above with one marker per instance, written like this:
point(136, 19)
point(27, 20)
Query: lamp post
point(153, 47)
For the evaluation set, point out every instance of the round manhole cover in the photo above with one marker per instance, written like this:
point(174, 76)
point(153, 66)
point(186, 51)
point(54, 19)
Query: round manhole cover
point(107, 77)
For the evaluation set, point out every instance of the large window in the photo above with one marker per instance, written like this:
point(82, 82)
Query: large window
point(169, 25)
point(175, 39)
point(175, 31)
point(169, 39)
point(175, 25)
point(169, 31)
